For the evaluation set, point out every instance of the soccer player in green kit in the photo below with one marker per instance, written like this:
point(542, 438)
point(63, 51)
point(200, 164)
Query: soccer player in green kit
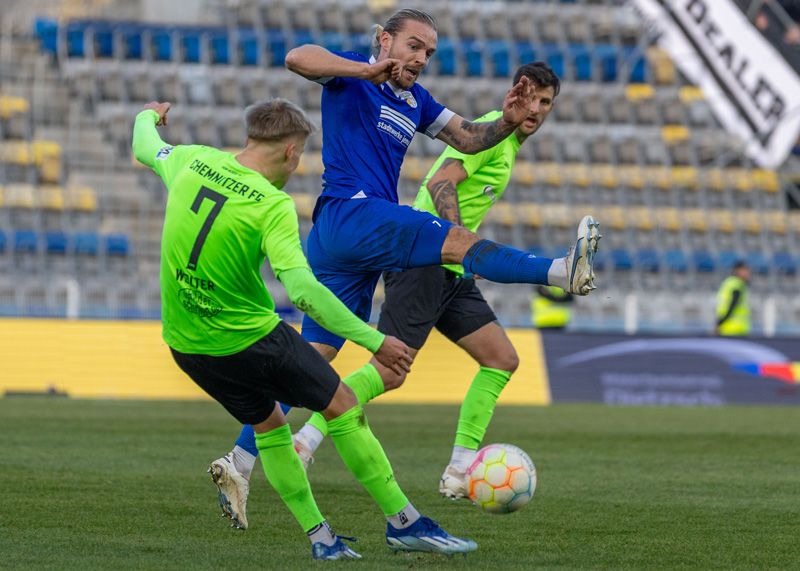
point(460, 188)
point(225, 214)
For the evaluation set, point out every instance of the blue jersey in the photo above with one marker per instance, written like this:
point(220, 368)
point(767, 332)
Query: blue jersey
point(366, 130)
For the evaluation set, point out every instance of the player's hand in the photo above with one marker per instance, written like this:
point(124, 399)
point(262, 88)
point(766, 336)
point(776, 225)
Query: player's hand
point(517, 104)
point(161, 108)
point(395, 355)
point(382, 71)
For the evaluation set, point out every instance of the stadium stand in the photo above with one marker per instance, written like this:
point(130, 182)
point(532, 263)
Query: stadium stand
point(629, 140)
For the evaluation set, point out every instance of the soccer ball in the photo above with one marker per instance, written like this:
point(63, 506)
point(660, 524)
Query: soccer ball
point(501, 479)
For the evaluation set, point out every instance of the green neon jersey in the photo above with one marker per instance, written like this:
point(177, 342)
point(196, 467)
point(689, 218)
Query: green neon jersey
point(488, 173)
point(222, 220)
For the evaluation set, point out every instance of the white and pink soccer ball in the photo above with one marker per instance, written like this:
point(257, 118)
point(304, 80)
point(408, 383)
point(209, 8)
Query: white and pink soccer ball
point(501, 479)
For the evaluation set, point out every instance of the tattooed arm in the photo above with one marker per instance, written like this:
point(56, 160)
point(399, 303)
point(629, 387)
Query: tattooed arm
point(471, 138)
point(442, 187)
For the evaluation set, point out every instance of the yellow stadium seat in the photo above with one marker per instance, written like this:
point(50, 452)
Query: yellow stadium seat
point(695, 219)
point(775, 221)
point(577, 174)
point(557, 215)
point(713, 179)
point(529, 214)
point(765, 180)
point(20, 196)
point(524, 173)
point(640, 217)
point(740, 179)
point(675, 134)
point(2, 196)
point(613, 217)
point(722, 220)
point(51, 197)
point(690, 93)
point(304, 202)
point(684, 177)
point(663, 69)
point(749, 221)
point(549, 173)
point(503, 213)
point(604, 175)
point(639, 91)
point(668, 219)
point(631, 176)
point(12, 105)
point(659, 177)
point(81, 198)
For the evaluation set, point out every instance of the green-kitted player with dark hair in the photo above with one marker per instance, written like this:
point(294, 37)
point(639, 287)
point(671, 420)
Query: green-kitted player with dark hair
point(225, 214)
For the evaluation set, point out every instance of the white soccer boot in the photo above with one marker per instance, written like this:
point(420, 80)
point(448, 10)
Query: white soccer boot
point(232, 490)
point(453, 483)
point(303, 450)
point(580, 259)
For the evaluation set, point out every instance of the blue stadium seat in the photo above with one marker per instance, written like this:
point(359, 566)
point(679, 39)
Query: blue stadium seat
point(219, 44)
point(131, 41)
point(76, 35)
point(784, 263)
point(621, 259)
point(117, 245)
point(248, 47)
point(472, 51)
point(554, 57)
point(87, 243)
point(56, 242)
point(499, 56)
point(161, 39)
point(299, 37)
point(727, 258)
point(26, 242)
point(276, 42)
point(636, 64)
point(600, 260)
point(103, 39)
point(606, 58)
point(361, 43)
point(47, 31)
point(2, 241)
point(758, 262)
point(703, 261)
point(446, 57)
point(648, 260)
point(676, 261)
point(191, 45)
point(581, 60)
point(332, 41)
point(526, 53)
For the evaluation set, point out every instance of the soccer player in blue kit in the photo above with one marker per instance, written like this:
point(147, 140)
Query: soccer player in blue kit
point(371, 109)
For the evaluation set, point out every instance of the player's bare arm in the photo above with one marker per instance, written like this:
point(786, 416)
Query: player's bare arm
point(470, 137)
point(443, 189)
point(315, 62)
point(161, 108)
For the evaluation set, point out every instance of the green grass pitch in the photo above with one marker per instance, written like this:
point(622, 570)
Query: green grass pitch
point(122, 485)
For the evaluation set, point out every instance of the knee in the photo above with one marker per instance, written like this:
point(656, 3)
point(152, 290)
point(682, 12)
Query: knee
point(343, 400)
point(459, 241)
point(506, 360)
point(328, 352)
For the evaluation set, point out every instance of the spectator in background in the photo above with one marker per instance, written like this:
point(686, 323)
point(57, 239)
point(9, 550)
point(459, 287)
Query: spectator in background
point(550, 307)
point(733, 310)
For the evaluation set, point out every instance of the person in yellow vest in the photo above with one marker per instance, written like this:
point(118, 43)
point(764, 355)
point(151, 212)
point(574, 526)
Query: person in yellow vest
point(733, 310)
point(550, 307)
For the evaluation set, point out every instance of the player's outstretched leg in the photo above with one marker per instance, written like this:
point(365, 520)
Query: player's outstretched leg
point(406, 529)
point(504, 264)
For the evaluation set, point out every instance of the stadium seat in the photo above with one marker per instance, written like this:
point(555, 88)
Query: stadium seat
point(472, 55)
point(581, 62)
point(621, 260)
point(525, 53)
point(703, 261)
point(117, 245)
point(758, 263)
point(784, 263)
point(132, 44)
point(606, 57)
point(332, 41)
point(47, 31)
point(500, 57)
point(76, 39)
point(26, 242)
point(676, 261)
point(648, 260)
point(552, 54)
point(277, 44)
point(103, 39)
point(56, 242)
point(161, 42)
point(361, 43)
point(87, 243)
point(219, 44)
point(191, 42)
point(247, 45)
point(3, 240)
point(446, 57)
point(727, 259)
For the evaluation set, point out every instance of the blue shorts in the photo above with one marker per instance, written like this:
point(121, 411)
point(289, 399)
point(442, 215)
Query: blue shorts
point(354, 240)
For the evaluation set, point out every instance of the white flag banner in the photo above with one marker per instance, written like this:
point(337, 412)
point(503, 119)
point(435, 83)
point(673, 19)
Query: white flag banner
point(752, 90)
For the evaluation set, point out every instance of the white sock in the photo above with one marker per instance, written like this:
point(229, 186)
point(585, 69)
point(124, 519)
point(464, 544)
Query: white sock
point(557, 274)
point(311, 436)
point(243, 461)
point(404, 518)
point(462, 458)
point(322, 533)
